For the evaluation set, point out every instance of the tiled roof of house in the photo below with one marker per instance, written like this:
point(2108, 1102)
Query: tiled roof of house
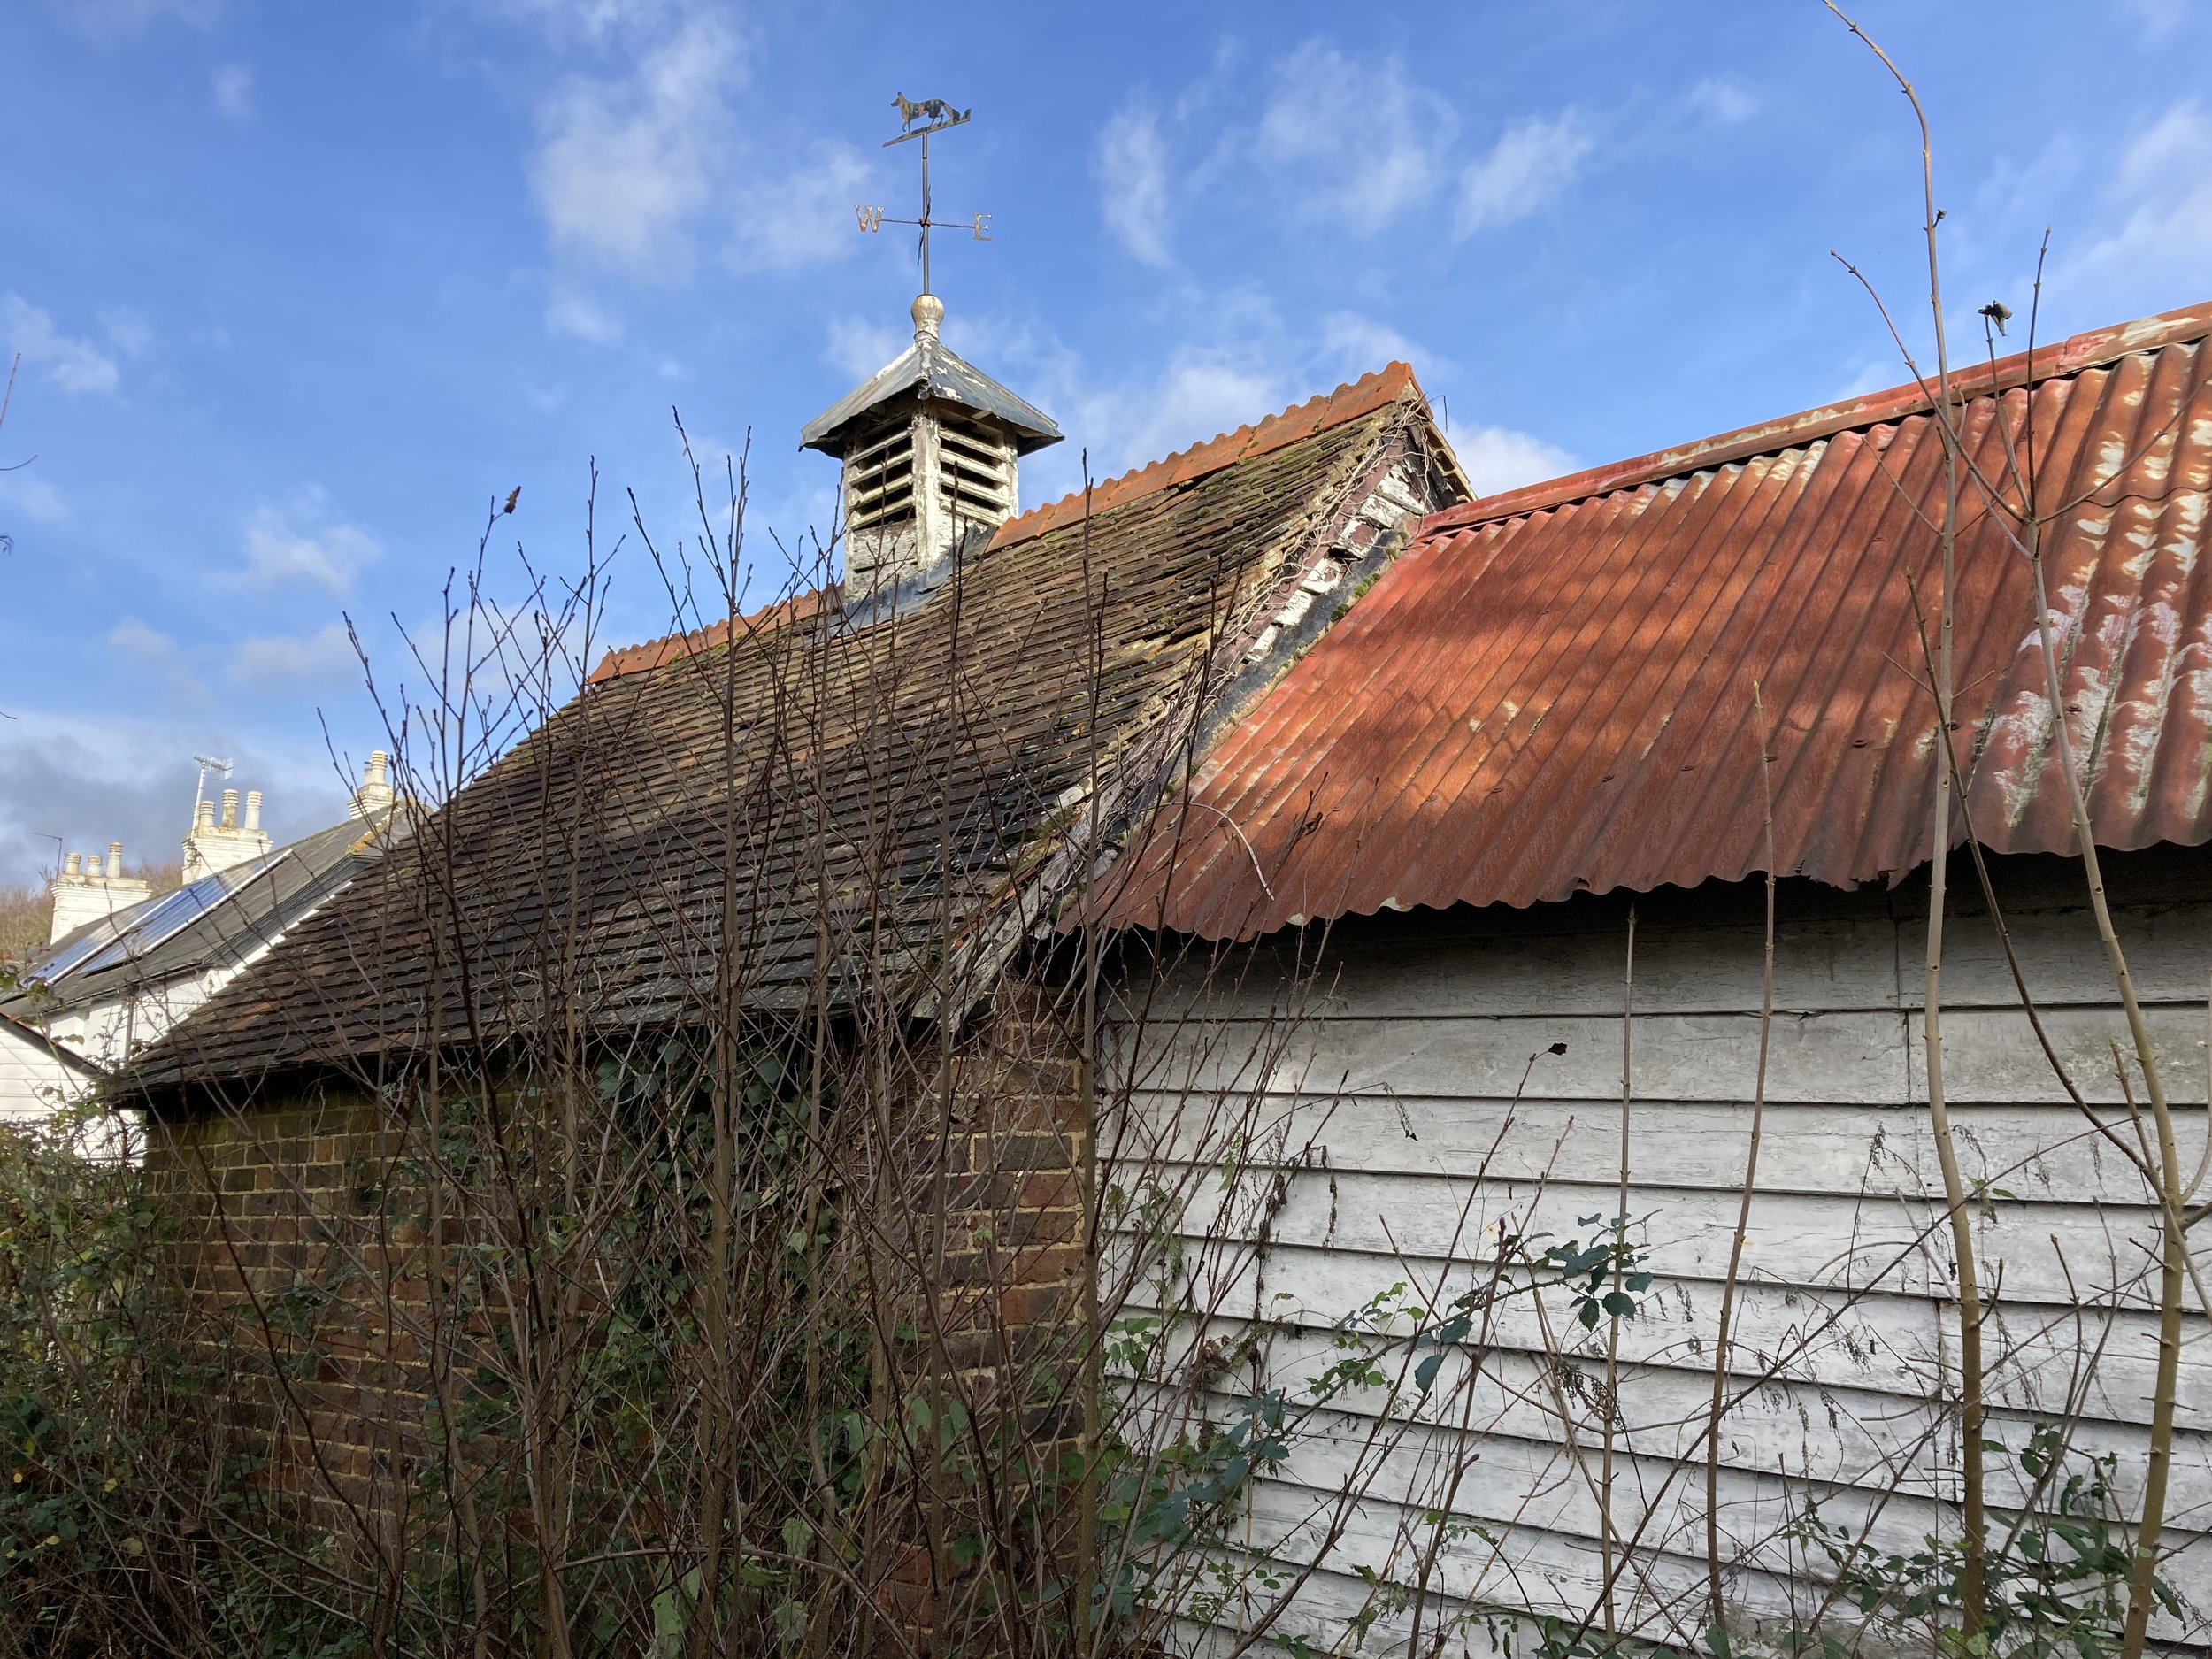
point(908, 788)
point(1552, 691)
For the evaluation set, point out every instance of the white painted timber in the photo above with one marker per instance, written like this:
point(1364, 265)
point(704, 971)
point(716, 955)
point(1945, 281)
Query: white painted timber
point(1308, 1123)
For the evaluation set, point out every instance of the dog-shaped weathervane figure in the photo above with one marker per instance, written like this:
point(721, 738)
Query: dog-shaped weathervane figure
point(930, 110)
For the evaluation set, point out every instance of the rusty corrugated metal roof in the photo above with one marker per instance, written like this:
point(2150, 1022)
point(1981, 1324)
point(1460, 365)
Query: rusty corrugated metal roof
point(1551, 692)
point(902, 786)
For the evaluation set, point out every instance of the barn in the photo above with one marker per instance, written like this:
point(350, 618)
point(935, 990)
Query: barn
point(1465, 933)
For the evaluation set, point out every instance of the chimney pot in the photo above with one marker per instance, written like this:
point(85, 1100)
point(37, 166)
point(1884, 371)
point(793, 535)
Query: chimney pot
point(76, 863)
point(115, 858)
point(253, 808)
point(230, 809)
point(92, 866)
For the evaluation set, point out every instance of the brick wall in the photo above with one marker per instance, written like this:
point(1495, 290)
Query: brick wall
point(299, 1277)
point(1007, 1139)
point(302, 1251)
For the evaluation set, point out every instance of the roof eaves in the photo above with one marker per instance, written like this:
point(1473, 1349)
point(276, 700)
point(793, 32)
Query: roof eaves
point(937, 372)
point(2067, 356)
point(38, 1038)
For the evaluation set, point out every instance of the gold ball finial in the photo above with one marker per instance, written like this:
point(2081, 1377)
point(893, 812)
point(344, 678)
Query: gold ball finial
point(929, 311)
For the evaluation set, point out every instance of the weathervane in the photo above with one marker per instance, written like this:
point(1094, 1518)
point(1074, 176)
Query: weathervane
point(935, 115)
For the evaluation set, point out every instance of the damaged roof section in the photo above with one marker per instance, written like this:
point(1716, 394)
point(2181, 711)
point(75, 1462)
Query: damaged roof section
point(1552, 691)
point(831, 794)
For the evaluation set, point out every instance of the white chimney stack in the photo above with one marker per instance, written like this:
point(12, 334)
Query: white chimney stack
point(376, 796)
point(221, 843)
point(90, 889)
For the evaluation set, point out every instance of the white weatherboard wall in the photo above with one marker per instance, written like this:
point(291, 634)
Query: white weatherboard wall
point(1387, 1144)
point(34, 1080)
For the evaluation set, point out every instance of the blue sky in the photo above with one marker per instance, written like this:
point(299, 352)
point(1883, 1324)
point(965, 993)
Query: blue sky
point(300, 289)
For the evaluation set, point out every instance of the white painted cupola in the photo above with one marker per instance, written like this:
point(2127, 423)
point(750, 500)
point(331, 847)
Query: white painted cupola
point(930, 447)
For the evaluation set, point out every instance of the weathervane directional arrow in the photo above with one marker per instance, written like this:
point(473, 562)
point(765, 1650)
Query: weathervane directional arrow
point(938, 116)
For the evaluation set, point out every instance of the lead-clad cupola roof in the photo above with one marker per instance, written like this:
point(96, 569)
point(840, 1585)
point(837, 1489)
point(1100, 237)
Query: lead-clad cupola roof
point(933, 372)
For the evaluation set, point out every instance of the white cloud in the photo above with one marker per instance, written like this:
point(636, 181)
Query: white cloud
point(23, 491)
point(857, 348)
point(1131, 168)
point(1240, 361)
point(571, 313)
point(279, 551)
point(156, 651)
point(625, 165)
point(1877, 374)
point(2162, 191)
point(1361, 142)
point(1200, 395)
point(128, 330)
point(1202, 392)
point(233, 87)
point(322, 658)
point(89, 778)
point(111, 19)
point(805, 216)
point(1359, 345)
point(1499, 458)
point(1724, 100)
point(74, 364)
point(141, 644)
point(2027, 189)
point(2158, 19)
point(590, 21)
point(1534, 162)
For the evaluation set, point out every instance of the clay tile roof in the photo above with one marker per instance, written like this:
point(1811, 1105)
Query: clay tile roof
point(1364, 397)
point(636, 660)
point(1551, 691)
point(1391, 385)
point(906, 784)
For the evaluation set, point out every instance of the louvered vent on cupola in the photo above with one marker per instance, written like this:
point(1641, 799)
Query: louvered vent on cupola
point(879, 481)
point(975, 470)
point(931, 448)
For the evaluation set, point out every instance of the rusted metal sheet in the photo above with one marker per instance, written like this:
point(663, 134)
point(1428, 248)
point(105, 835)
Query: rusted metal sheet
point(1552, 692)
